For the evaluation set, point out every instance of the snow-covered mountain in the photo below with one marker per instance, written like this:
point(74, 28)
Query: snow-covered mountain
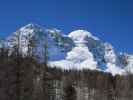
point(76, 51)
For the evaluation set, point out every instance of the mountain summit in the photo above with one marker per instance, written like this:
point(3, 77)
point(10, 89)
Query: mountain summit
point(76, 51)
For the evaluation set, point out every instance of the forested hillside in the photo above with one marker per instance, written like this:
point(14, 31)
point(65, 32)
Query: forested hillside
point(23, 78)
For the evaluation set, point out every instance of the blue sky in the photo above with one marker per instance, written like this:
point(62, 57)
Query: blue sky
point(110, 20)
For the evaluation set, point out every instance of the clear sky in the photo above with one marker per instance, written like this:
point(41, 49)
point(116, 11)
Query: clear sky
point(110, 20)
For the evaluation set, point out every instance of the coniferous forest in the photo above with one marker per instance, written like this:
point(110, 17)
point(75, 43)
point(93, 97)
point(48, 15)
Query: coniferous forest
point(24, 78)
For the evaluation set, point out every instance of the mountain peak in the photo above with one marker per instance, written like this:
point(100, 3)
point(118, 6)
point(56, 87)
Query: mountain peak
point(31, 26)
point(78, 50)
point(81, 36)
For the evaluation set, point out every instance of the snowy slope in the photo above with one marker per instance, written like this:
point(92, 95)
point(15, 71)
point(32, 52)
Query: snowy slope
point(58, 44)
point(78, 50)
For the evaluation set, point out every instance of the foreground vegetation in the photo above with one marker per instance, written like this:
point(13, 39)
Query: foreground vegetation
point(23, 78)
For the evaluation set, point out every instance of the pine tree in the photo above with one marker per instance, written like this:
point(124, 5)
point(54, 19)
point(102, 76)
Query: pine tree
point(69, 90)
point(46, 49)
point(15, 40)
point(31, 44)
point(2, 49)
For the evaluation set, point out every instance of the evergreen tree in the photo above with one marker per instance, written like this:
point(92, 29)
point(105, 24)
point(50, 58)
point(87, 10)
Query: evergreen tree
point(15, 40)
point(69, 90)
point(31, 44)
point(46, 49)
